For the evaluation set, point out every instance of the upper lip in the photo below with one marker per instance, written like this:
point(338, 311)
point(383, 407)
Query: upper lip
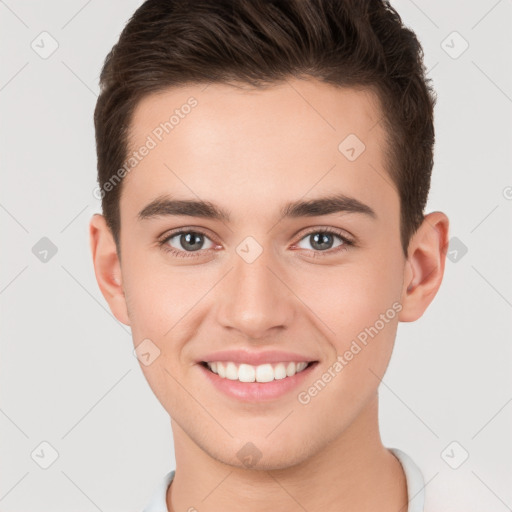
point(255, 358)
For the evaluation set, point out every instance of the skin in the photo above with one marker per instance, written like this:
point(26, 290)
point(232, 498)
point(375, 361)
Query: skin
point(250, 152)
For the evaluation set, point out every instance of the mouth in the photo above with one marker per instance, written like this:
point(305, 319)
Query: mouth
point(256, 383)
point(266, 372)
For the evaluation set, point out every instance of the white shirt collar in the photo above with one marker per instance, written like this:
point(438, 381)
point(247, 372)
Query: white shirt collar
point(415, 481)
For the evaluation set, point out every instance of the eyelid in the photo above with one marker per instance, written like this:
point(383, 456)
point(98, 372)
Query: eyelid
point(187, 229)
point(332, 230)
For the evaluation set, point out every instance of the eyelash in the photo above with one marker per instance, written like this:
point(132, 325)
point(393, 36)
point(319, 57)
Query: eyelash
point(188, 254)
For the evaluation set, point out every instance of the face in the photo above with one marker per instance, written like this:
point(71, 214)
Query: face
point(268, 270)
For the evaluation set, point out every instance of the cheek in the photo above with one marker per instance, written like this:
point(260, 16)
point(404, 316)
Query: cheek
point(158, 295)
point(150, 306)
point(160, 303)
point(348, 298)
point(360, 306)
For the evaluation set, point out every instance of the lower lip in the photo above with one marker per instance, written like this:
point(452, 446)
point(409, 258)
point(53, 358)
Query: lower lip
point(257, 391)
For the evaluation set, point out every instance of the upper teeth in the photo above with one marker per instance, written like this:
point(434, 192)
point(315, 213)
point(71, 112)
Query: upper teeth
point(248, 373)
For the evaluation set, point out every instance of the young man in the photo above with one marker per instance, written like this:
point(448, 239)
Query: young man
point(263, 167)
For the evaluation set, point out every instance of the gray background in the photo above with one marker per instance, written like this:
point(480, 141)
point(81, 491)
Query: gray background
point(67, 373)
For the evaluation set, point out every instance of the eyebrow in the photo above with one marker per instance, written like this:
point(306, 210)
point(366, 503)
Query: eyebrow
point(338, 203)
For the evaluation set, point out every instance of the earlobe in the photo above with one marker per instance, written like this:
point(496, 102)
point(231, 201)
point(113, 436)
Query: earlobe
point(425, 266)
point(107, 267)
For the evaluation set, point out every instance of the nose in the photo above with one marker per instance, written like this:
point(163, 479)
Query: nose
point(254, 300)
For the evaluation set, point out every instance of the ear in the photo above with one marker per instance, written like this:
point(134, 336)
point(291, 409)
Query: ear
point(107, 267)
point(424, 268)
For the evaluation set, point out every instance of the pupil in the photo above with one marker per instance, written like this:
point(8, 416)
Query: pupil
point(189, 239)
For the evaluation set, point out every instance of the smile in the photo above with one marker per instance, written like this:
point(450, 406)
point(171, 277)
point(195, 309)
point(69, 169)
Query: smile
point(250, 373)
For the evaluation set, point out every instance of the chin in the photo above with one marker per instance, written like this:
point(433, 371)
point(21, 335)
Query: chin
point(260, 455)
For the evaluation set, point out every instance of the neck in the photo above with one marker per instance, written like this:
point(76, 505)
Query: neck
point(354, 472)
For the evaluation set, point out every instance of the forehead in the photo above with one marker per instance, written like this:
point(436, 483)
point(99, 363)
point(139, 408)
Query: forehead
point(257, 146)
point(306, 108)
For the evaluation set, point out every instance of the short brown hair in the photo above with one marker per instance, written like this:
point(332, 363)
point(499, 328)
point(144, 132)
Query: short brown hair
point(349, 43)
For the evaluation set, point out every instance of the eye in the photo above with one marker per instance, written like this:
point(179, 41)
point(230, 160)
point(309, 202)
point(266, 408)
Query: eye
point(183, 242)
point(324, 240)
point(192, 243)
